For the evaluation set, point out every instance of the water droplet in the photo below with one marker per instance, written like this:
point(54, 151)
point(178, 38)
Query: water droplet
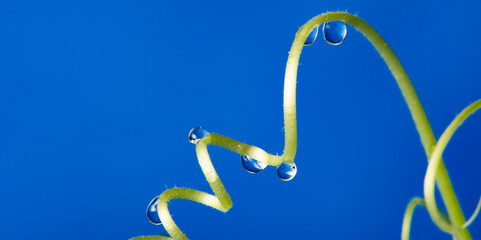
point(152, 214)
point(286, 172)
point(252, 165)
point(196, 134)
point(312, 36)
point(334, 32)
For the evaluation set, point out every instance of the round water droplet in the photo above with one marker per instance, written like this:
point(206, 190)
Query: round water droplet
point(196, 134)
point(152, 214)
point(286, 172)
point(252, 165)
point(312, 36)
point(334, 32)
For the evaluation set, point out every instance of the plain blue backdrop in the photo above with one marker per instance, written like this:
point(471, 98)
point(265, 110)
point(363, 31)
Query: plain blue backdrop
point(97, 99)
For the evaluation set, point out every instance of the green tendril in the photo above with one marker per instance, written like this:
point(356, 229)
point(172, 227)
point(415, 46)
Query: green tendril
point(475, 214)
point(221, 199)
point(408, 215)
point(433, 166)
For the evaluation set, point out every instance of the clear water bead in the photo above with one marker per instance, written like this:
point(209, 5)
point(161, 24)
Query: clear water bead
point(286, 172)
point(152, 213)
point(252, 165)
point(312, 36)
point(334, 32)
point(196, 134)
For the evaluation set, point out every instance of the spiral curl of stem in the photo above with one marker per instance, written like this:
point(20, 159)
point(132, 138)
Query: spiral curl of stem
point(453, 223)
point(433, 166)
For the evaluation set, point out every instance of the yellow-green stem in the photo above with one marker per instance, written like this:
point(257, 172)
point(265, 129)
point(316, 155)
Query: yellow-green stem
point(408, 216)
point(221, 200)
point(420, 119)
point(435, 163)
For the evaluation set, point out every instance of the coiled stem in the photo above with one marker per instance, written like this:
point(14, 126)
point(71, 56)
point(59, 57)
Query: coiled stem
point(408, 215)
point(434, 164)
point(221, 200)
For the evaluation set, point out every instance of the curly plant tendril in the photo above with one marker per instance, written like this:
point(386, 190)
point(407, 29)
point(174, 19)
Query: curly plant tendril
point(438, 217)
point(408, 215)
point(434, 163)
point(475, 214)
point(221, 201)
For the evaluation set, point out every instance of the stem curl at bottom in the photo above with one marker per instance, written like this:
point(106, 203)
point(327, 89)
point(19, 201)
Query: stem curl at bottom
point(434, 163)
point(221, 199)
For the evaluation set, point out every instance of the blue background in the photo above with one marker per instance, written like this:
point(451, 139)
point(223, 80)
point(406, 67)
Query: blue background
point(97, 99)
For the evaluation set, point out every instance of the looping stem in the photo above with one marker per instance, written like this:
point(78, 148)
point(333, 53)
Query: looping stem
point(408, 216)
point(221, 199)
point(434, 164)
point(473, 217)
